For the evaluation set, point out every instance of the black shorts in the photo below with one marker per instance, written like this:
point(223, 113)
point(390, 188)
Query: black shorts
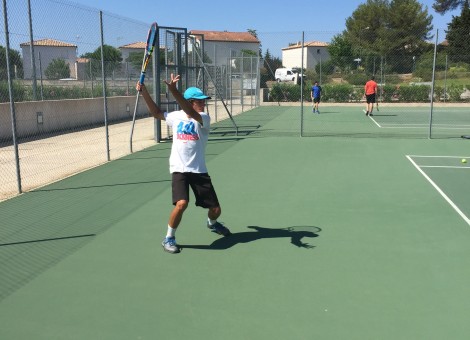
point(316, 99)
point(370, 98)
point(201, 185)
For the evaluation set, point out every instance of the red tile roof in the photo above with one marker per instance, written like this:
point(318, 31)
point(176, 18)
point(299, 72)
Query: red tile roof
point(226, 36)
point(307, 44)
point(48, 42)
point(138, 45)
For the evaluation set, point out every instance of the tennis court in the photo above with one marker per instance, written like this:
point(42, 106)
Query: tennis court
point(445, 120)
point(333, 238)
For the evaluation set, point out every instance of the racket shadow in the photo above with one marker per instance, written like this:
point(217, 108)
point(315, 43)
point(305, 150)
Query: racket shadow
point(296, 235)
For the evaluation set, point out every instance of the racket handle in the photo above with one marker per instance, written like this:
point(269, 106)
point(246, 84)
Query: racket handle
point(142, 78)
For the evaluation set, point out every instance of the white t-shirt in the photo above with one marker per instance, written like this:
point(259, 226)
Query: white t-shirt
point(189, 142)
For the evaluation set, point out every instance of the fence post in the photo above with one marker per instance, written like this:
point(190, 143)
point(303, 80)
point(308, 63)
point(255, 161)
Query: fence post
point(302, 87)
point(103, 76)
point(31, 51)
point(10, 92)
point(432, 85)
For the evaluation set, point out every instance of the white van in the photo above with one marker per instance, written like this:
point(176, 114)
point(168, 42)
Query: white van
point(287, 74)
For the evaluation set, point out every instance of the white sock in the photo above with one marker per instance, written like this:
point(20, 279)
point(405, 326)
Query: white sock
point(170, 232)
point(211, 222)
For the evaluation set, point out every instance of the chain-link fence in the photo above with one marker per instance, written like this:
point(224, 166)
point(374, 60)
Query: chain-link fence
point(422, 94)
point(73, 71)
point(62, 57)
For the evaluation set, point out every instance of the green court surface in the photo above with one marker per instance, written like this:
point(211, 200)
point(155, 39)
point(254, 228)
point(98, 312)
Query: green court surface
point(333, 238)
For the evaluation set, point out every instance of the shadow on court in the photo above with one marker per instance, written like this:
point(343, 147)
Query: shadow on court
point(296, 237)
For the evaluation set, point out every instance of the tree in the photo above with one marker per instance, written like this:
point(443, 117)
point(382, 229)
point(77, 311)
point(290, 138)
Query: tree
point(112, 60)
point(255, 34)
point(271, 64)
point(365, 25)
point(341, 52)
point(410, 27)
point(443, 6)
point(424, 65)
point(458, 36)
point(396, 28)
point(57, 69)
point(135, 59)
point(15, 60)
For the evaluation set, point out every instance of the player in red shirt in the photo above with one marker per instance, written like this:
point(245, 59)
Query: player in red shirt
point(370, 91)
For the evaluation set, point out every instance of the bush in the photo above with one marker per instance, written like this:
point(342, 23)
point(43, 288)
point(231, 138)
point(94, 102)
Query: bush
point(424, 73)
point(19, 92)
point(414, 93)
point(389, 93)
point(284, 92)
point(327, 67)
point(342, 93)
point(357, 78)
point(57, 69)
point(392, 79)
point(454, 92)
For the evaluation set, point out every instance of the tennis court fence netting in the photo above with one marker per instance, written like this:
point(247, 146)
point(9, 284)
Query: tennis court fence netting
point(72, 110)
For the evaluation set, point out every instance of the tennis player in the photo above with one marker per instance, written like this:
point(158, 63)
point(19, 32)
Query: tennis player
point(370, 92)
point(316, 96)
point(190, 127)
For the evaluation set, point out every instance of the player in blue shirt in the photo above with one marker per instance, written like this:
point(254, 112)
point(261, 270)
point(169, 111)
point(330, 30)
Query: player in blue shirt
point(316, 95)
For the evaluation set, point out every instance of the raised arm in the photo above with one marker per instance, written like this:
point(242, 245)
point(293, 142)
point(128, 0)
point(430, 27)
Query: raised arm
point(183, 103)
point(154, 110)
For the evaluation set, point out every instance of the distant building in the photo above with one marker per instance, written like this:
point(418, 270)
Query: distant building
point(136, 47)
point(126, 51)
point(82, 68)
point(45, 51)
point(314, 52)
point(220, 46)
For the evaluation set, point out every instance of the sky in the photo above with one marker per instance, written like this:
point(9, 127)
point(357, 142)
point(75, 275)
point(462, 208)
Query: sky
point(277, 25)
point(240, 15)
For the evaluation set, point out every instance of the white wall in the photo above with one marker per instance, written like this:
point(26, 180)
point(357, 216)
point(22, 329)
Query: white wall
point(63, 115)
point(293, 57)
point(48, 53)
point(219, 51)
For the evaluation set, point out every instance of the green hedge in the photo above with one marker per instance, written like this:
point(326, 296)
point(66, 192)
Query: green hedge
point(345, 93)
point(19, 92)
point(285, 92)
point(342, 93)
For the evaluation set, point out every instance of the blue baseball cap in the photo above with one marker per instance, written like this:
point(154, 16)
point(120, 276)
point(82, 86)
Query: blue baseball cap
point(194, 93)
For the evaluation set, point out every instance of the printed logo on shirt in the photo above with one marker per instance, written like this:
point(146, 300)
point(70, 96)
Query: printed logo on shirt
point(186, 131)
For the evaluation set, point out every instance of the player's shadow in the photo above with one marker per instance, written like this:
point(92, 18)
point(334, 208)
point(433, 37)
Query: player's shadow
point(295, 234)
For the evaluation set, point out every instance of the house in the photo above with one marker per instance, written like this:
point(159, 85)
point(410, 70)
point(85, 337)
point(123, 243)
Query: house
point(314, 53)
point(136, 47)
point(126, 50)
point(220, 46)
point(46, 50)
point(81, 68)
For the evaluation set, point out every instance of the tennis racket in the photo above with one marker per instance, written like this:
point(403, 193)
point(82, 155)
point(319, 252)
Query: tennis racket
point(151, 39)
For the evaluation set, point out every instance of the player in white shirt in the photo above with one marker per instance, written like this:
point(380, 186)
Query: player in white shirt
point(190, 127)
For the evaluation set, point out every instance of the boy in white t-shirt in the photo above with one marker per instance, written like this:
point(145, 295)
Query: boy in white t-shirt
point(188, 168)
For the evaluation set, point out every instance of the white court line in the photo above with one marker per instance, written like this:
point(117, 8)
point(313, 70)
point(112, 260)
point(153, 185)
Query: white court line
point(422, 126)
point(380, 126)
point(452, 204)
point(457, 157)
point(444, 166)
